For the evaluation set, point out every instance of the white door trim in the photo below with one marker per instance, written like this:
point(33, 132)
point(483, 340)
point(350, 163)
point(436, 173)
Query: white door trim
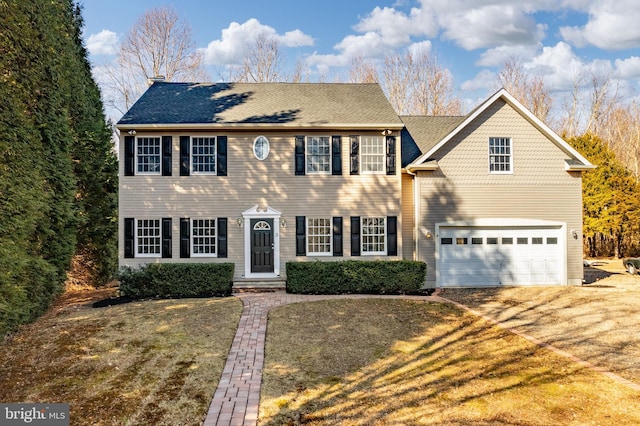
point(257, 212)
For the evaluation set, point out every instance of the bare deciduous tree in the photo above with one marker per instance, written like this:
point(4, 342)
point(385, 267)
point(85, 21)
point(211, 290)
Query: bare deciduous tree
point(262, 63)
point(530, 90)
point(417, 84)
point(158, 44)
point(362, 71)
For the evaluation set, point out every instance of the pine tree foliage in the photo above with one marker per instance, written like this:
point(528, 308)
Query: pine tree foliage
point(611, 204)
point(57, 169)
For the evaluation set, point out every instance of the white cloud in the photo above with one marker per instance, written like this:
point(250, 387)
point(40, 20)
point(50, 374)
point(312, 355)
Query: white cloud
point(237, 38)
point(628, 68)
point(485, 80)
point(612, 25)
point(295, 38)
point(103, 43)
point(489, 26)
point(497, 56)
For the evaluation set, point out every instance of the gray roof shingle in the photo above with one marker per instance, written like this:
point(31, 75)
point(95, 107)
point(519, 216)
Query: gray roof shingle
point(294, 104)
point(424, 132)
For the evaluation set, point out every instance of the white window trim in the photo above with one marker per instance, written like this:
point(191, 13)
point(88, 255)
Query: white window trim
point(494, 172)
point(306, 155)
point(136, 245)
point(215, 160)
point(136, 171)
point(383, 155)
point(362, 243)
point(268, 144)
point(215, 236)
point(312, 253)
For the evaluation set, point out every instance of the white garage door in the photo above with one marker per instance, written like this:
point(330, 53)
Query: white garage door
point(476, 257)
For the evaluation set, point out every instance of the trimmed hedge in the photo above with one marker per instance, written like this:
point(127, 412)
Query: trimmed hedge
point(177, 280)
point(356, 277)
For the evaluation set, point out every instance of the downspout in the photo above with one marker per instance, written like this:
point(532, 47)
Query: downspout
point(416, 198)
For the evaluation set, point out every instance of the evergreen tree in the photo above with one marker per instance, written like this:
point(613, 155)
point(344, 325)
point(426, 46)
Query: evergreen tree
point(57, 169)
point(611, 206)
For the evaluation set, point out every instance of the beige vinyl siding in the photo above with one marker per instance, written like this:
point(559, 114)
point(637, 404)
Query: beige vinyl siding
point(251, 182)
point(408, 213)
point(539, 187)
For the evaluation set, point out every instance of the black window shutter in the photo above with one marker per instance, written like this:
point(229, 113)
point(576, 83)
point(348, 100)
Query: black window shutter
point(336, 157)
point(354, 152)
point(185, 237)
point(129, 238)
point(337, 236)
point(355, 235)
point(185, 157)
point(392, 235)
point(166, 237)
point(222, 237)
point(221, 166)
point(299, 155)
point(166, 155)
point(301, 233)
point(129, 155)
point(391, 155)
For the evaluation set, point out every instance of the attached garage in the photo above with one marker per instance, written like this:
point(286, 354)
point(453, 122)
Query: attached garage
point(500, 252)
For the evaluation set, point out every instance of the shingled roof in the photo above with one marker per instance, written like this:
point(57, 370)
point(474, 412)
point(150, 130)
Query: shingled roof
point(279, 104)
point(423, 132)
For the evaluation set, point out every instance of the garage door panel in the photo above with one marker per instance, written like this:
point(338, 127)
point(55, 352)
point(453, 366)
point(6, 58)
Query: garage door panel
point(500, 256)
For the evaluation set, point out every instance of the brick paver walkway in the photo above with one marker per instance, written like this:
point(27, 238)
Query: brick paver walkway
point(237, 397)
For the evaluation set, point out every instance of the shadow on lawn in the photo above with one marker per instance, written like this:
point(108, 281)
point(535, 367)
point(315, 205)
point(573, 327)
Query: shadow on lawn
point(441, 367)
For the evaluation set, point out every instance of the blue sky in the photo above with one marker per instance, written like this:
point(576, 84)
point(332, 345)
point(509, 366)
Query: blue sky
point(557, 39)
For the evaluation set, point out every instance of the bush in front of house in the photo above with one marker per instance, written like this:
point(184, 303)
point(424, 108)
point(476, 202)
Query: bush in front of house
point(177, 280)
point(356, 277)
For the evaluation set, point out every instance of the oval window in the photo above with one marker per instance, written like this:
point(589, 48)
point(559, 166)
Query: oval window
point(261, 147)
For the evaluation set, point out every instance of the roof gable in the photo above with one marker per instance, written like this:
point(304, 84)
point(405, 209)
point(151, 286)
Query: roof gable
point(279, 104)
point(576, 160)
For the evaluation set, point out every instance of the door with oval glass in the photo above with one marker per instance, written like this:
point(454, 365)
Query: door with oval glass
point(262, 245)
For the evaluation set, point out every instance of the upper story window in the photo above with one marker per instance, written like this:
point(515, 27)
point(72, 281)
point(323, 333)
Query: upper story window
point(318, 154)
point(261, 148)
point(372, 154)
point(148, 157)
point(203, 154)
point(500, 155)
point(319, 231)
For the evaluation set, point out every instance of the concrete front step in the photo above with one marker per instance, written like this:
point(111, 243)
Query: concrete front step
point(258, 285)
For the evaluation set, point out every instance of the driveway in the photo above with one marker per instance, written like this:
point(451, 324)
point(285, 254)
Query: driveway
point(598, 322)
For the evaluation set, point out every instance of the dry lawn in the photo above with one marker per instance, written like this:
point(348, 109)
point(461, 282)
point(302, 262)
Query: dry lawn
point(598, 322)
point(142, 363)
point(398, 362)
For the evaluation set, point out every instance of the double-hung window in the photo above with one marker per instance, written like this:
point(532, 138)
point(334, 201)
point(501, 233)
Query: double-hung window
point(203, 238)
point(319, 231)
point(148, 238)
point(203, 155)
point(373, 231)
point(318, 154)
point(500, 155)
point(372, 154)
point(148, 155)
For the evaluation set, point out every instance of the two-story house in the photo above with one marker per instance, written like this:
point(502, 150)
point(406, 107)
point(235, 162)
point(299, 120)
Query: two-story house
point(265, 173)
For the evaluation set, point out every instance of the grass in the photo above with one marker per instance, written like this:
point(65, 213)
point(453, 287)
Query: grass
point(395, 362)
point(151, 362)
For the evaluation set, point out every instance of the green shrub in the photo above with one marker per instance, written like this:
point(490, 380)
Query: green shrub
point(355, 277)
point(177, 280)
